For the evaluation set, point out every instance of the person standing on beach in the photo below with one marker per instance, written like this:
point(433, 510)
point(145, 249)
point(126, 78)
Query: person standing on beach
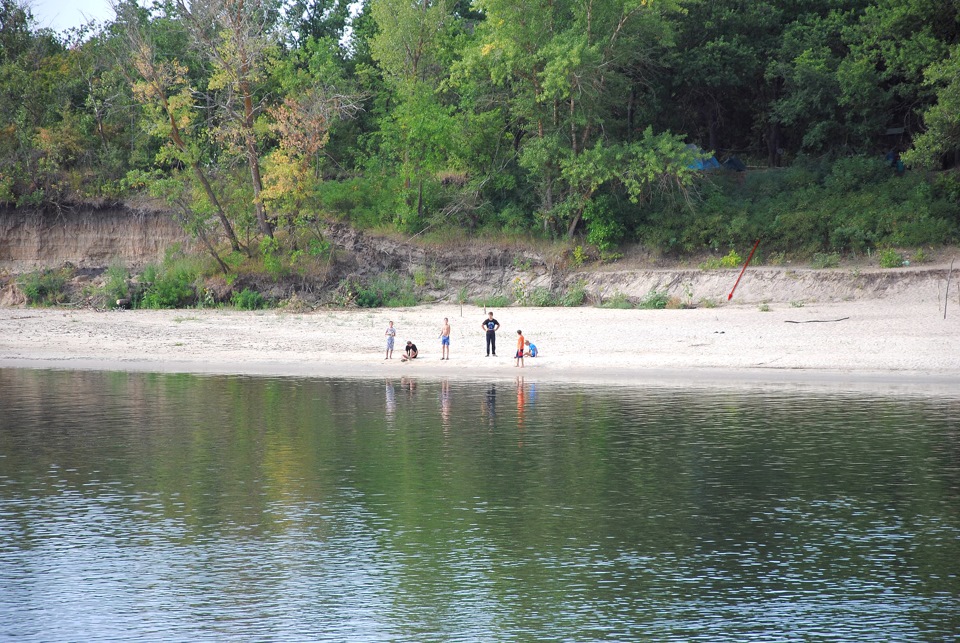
point(519, 355)
point(491, 325)
point(445, 340)
point(391, 335)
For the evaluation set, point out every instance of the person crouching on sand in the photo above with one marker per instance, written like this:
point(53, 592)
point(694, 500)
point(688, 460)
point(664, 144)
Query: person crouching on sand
point(410, 352)
point(531, 349)
point(519, 354)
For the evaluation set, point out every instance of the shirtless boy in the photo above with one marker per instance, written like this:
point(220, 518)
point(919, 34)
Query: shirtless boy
point(445, 340)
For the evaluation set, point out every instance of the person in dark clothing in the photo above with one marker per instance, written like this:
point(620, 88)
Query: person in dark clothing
point(491, 325)
point(409, 353)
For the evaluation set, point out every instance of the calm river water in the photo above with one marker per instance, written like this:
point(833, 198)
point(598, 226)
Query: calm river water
point(195, 508)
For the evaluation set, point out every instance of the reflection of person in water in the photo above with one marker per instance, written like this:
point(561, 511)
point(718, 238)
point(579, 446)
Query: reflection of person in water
point(521, 402)
point(391, 400)
point(410, 384)
point(445, 404)
point(490, 407)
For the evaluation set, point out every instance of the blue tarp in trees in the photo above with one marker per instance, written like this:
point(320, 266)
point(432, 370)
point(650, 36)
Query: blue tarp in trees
point(705, 164)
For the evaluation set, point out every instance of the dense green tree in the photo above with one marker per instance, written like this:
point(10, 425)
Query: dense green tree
point(561, 118)
point(36, 88)
point(412, 46)
point(892, 43)
point(238, 38)
point(320, 20)
point(163, 88)
point(718, 78)
point(317, 97)
point(565, 67)
point(941, 140)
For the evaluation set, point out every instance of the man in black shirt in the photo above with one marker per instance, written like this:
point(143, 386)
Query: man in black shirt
point(491, 325)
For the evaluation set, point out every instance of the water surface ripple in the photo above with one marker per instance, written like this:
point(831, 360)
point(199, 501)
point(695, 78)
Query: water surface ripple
point(145, 507)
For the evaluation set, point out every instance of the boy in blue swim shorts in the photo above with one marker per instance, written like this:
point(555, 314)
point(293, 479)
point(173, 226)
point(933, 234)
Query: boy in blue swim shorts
point(445, 340)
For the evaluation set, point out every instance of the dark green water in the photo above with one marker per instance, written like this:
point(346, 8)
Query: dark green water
point(178, 507)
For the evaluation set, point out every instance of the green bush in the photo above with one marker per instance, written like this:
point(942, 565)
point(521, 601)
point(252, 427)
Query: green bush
point(493, 301)
point(617, 300)
point(359, 200)
point(541, 297)
point(849, 205)
point(248, 299)
point(731, 260)
point(604, 228)
point(45, 287)
point(823, 260)
point(576, 295)
point(275, 261)
point(171, 285)
point(420, 276)
point(853, 238)
point(149, 274)
point(170, 290)
point(368, 298)
point(890, 258)
point(115, 284)
point(388, 289)
point(654, 300)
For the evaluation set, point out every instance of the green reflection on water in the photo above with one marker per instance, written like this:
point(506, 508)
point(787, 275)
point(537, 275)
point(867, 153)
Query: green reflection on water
point(496, 511)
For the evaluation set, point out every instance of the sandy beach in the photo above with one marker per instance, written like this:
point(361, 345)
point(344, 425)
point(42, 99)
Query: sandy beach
point(897, 341)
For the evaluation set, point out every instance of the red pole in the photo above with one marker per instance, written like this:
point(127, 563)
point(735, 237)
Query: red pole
point(744, 269)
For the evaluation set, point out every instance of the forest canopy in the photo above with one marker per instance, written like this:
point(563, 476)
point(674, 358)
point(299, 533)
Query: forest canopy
point(835, 124)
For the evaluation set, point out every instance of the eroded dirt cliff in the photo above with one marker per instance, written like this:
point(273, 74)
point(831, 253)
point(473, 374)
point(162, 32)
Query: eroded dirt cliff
point(86, 237)
point(94, 238)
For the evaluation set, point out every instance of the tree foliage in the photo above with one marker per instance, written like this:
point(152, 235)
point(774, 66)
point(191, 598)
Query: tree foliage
point(561, 118)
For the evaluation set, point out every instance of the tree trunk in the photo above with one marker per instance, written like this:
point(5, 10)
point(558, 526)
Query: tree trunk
point(224, 222)
point(713, 128)
point(572, 228)
point(253, 159)
point(197, 229)
point(202, 177)
point(213, 252)
point(420, 199)
point(573, 127)
point(773, 145)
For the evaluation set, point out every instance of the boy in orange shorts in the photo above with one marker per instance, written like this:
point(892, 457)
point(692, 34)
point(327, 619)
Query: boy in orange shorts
point(519, 354)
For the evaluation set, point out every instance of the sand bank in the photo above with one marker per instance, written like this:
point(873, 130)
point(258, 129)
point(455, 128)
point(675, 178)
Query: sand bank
point(899, 341)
